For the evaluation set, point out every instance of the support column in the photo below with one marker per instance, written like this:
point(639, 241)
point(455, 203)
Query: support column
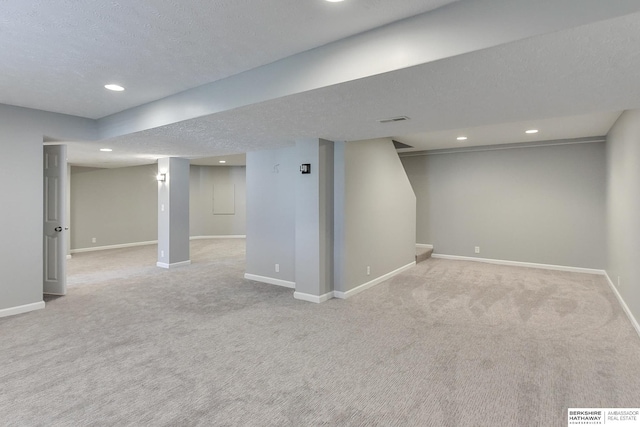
point(173, 213)
point(314, 222)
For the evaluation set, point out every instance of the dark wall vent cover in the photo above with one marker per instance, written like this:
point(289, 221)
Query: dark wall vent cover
point(400, 145)
point(394, 119)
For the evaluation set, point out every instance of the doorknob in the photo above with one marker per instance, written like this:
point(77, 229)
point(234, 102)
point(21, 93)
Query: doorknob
point(58, 229)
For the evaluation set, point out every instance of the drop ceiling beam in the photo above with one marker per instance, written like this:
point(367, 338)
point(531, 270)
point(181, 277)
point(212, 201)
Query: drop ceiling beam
point(456, 29)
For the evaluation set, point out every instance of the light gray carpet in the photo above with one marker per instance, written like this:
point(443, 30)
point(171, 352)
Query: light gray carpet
point(447, 343)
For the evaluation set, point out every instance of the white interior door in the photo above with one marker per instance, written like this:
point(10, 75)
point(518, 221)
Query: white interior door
point(54, 246)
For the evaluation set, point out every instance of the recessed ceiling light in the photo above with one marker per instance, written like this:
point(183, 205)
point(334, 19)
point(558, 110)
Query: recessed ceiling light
point(116, 88)
point(106, 150)
point(334, 1)
point(222, 161)
point(532, 131)
point(461, 138)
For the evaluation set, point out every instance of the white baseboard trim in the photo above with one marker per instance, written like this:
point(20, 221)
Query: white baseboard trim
point(313, 298)
point(12, 311)
point(270, 280)
point(522, 264)
point(624, 305)
point(173, 265)
point(230, 236)
point(150, 242)
point(424, 245)
point(120, 246)
point(372, 283)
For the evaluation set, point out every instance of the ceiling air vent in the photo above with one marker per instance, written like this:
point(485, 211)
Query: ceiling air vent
point(394, 119)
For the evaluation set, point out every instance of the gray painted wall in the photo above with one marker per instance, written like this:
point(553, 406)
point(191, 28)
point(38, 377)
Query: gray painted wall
point(375, 218)
point(173, 212)
point(542, 204)
point(115, 206)
point(68, 210)
point(271, 177)
point(21, 174)
point(373, 212)
point(314, 218)
point(119, 206)
point(202, 220)
point(326, 217)
point(623, 208)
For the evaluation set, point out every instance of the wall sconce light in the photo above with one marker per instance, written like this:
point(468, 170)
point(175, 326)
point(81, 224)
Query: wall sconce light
point(305, 168)
point(161, 177)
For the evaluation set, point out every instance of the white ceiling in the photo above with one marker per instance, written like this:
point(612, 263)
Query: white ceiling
point(58, 54)
point(550, 129)
point(569, 84)
point(229, 160)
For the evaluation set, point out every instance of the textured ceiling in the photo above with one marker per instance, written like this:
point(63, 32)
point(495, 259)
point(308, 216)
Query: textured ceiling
point(550, 129)
point(229, 160)
point(585, 76)
point(58, 54)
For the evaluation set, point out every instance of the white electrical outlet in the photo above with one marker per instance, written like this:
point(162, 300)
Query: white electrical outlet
point(368, 270)
point(477, 249)
point(277, 268)
point(93, 240)
point(162, 207)
point(161, 254)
